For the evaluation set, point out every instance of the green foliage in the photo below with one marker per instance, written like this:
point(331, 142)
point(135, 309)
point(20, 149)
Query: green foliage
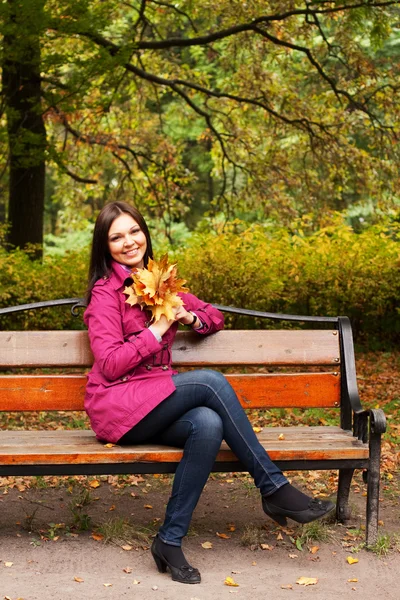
point(24, 281)
point(333, 271)
point(297, 109)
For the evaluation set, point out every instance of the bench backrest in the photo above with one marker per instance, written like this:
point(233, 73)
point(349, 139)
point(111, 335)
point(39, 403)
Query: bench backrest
point(297, 350)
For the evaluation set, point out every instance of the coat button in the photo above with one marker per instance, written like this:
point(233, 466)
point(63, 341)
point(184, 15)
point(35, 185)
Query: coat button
point(148, 367)
point(164, 368)
point(124, 378)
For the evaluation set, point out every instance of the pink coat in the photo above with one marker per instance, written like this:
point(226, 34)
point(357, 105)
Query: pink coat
point(132, 371)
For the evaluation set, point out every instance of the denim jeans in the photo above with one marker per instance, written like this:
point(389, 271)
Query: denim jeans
point(202, 411)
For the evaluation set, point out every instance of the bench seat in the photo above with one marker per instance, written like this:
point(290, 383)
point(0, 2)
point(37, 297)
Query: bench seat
point(77, 447)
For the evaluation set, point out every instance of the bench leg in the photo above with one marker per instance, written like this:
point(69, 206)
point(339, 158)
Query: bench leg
point(342, 506)
point(373, 488)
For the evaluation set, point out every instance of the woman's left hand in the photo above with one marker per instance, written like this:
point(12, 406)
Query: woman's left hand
point(183, 316)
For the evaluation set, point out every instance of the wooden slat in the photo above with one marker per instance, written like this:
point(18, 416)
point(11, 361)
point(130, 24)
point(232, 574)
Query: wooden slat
point(81, 447)
point(66, 392)
point(71, 348)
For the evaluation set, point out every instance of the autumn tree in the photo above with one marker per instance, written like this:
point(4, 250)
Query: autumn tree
point(284, 106)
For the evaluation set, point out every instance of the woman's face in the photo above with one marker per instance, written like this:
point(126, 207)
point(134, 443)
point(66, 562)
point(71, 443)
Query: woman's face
point(126, 241)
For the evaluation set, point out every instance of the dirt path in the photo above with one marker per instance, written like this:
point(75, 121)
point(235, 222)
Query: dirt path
point(45, 568)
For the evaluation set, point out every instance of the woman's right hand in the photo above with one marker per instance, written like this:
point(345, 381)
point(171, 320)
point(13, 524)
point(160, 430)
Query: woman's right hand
point(162, 325)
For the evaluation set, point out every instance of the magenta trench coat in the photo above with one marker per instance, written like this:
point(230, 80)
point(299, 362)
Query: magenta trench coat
point(132, 370)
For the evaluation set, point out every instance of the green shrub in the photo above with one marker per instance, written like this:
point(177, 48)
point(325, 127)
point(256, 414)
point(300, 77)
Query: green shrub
point(24, 281)
point(332, 272)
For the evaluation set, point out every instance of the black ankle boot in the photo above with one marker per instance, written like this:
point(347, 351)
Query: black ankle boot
point(184, 573)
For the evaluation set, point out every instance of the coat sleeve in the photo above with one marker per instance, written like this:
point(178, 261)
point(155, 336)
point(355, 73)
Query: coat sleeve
point(115, 355)
point(211, 317)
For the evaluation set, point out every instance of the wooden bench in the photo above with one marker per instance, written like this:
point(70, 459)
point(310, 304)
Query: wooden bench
point(313, 368)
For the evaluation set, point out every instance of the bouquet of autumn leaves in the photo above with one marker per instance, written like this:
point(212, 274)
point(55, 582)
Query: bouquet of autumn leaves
point(156, 289)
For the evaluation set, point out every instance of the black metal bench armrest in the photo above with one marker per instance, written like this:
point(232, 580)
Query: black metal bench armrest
point(370, 421)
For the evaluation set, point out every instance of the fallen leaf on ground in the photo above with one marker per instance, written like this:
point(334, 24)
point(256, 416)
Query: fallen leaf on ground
point(136, 582)
point(8, 564)
point(231, 582)
point(279, 536)
point(223, 536)
point(266, 547)
point(148, 506)
point(293, 556)
point(155, 587)
point(94, 484)
point(206, 545)
point(79, 579)
point(127, 570)
point(307, 580)
point(109, 445)
point(351, 560)
point(314, 549)
point(253, 564)
point(281, 436)
point(287, 586)
point(231, 527)
point(236, 572)
point(352, 580)
point(98, 537)
point(257, 429)
point(126, 547)
point(107, 584)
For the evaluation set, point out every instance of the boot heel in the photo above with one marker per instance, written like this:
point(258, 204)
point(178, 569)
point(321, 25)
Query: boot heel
point(280, 519)
point(161, 566)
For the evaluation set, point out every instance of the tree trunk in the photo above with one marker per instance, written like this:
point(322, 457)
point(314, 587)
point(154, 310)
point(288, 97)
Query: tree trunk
point(25, 123)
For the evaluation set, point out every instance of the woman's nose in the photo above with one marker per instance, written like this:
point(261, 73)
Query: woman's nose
point(129, 240)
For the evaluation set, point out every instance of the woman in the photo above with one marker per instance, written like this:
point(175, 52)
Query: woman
point(134, 396)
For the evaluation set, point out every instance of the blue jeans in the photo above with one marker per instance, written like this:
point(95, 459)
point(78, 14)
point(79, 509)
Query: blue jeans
point(202, 411)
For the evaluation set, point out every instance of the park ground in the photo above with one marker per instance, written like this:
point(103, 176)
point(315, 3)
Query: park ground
point(80, 538)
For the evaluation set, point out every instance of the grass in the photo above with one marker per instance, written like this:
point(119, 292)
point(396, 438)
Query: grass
point(385, 544)
point(121, 532)
point(81, 519)
point(252, 536)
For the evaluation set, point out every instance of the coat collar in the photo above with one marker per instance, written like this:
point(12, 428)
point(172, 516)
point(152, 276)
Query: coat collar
point(119, 276)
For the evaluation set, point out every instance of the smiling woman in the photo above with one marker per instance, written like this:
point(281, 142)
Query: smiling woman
point(134, 395)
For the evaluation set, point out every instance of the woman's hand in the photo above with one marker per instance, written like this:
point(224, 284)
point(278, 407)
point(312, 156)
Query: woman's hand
point(183, 316)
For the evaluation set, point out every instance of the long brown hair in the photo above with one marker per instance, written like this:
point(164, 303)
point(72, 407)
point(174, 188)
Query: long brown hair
point(100, 259)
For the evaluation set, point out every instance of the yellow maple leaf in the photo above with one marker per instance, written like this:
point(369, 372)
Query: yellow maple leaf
point(307, 580)
point(231, 582)
point(132, 297)
point(351, 560)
